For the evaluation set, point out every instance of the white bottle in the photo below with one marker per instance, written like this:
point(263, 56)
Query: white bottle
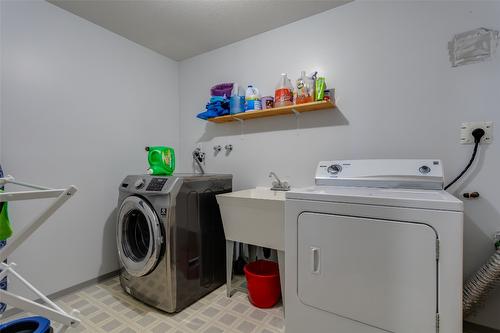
point(252, 99)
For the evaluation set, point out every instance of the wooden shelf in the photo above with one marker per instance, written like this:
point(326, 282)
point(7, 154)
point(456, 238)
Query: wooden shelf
point(291, 109)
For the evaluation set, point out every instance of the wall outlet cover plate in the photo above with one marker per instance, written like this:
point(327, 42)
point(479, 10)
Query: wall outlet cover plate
point(467, 128)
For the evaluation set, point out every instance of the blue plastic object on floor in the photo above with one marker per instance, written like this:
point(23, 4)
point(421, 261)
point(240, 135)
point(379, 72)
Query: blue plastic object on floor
point(27, 325)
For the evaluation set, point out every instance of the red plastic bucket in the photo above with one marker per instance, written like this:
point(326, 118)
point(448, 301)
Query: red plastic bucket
point(263, 282)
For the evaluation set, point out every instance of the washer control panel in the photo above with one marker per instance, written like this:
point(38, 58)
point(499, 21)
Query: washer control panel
point(421, 174)
point(156, 184)
point(139, 183)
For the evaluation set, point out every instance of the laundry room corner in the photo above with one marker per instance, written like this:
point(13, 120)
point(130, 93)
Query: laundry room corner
point(85, 125)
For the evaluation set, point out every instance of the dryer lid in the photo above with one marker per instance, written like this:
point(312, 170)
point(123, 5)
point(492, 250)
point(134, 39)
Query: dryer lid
point(410, 174)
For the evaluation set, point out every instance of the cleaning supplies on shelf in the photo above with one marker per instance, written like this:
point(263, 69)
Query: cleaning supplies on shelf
point(252, 99)
point(217, 106)
point(220, 105)
point(231, 99)
point(283, 94)
point(236, 104)
point(267, 102)
point(161, 160)
point(219, 101)
point(236, 101)
point(222, 89)
point(329, 95)
point(320, 88)
point(304, 92)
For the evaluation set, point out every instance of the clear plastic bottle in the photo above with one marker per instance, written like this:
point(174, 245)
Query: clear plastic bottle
point(283, 94)
point(236, 101)
point(304, 92)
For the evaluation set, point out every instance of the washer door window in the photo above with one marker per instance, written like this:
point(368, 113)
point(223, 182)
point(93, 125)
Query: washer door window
point(139, 236)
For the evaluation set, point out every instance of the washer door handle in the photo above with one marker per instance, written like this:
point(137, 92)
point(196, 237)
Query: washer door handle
point(315, 260)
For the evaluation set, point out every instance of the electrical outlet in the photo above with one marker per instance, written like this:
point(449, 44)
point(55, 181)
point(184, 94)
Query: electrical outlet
point(466, 129)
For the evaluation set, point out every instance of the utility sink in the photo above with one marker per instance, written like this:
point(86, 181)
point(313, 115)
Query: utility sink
point(255, 216)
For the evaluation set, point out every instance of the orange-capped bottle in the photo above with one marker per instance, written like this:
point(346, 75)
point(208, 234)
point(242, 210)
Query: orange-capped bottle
point(283, 94)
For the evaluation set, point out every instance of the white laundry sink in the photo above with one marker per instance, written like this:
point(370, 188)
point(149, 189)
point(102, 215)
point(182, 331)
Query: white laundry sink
point(254, 216)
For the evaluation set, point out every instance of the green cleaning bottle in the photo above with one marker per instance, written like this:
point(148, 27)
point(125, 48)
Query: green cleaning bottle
point(161, 160)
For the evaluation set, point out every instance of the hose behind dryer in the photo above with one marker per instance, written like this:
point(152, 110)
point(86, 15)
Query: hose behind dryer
point(477, 288)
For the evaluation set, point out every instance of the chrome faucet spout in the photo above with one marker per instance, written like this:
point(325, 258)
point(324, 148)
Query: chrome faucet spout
point(278, 185)
point(272, 174)
point(199, 157)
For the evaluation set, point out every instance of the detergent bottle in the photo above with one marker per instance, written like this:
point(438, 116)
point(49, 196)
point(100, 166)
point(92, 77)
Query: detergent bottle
point(252, 99)
point(283, 94)
point(161, 160)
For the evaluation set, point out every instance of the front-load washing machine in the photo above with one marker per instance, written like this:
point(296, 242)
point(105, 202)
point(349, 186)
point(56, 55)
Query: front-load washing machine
point(170, 239)
point(375, 246)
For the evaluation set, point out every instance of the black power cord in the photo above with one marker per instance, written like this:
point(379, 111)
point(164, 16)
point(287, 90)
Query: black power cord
point(478, 133)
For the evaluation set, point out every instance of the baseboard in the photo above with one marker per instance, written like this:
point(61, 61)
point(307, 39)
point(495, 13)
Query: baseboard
point(64, 292)
point(475, 328)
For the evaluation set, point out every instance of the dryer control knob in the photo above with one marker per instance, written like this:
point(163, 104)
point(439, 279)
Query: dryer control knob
point(424, 169)
point(139, 183)
point(334, 169)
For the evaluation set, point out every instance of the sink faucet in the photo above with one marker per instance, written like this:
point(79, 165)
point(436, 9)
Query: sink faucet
point(199, 157)
point(278, 185)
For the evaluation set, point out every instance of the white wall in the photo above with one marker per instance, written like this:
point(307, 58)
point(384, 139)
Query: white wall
point(78, 104)
point(398, 97)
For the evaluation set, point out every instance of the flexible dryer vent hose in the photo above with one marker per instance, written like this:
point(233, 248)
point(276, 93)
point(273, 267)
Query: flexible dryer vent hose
point(480, 284)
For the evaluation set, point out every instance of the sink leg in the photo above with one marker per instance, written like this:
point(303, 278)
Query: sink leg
point(281, 264)
point(252, 253)
point(229, 266)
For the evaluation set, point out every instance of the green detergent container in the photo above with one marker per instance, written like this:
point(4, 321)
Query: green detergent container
point(161, 160)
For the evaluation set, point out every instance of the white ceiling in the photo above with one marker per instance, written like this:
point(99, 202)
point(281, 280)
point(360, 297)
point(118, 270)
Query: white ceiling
point(181, 29)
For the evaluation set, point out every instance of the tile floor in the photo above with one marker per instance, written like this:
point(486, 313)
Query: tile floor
point(105, 307)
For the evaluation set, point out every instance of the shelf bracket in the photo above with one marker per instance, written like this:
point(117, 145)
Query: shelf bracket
point(297, 117)
point(241, 121)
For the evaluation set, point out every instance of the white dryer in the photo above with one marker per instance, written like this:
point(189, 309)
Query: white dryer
point(375, 246)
